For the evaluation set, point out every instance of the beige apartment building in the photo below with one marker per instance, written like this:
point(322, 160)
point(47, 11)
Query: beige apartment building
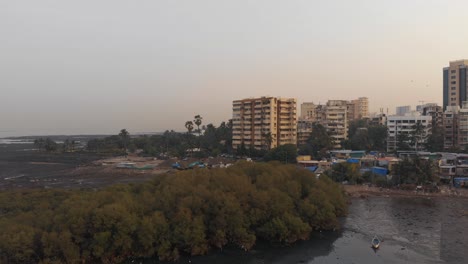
point(335, 116)
point(358, 108)
point(304, 129)
point(264, 123)
point(336, 121)
point(310, 113)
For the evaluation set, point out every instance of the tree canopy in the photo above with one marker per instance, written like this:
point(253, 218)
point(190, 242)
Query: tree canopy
point(213, 141)
point(363, 136)
point(416, 171)
point(184, 213)
point(319, 142)
point(284, 153)
point(435, 141)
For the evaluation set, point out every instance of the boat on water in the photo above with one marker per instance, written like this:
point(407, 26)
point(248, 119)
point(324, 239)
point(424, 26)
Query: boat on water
point(375, 242)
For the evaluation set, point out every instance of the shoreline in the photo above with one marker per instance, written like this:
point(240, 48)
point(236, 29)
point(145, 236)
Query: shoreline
point(364, 191)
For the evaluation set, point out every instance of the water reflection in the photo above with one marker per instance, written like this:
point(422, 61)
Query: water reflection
point(412, 230)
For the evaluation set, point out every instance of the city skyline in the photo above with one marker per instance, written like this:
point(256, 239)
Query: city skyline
point(85, 68)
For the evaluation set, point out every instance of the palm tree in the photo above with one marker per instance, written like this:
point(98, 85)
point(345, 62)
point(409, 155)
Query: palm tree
point(66, 145)
point(267, 140)
point(198, 121)
point(416, 135)
point(124, 137)
point(73, 145)
point(39, 143)
point(189, 126)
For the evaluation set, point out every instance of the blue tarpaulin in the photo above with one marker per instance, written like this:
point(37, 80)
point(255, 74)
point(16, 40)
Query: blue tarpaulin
point(379, 171)
point(460, 182)
point(352, 160)
point(312, 169)
point(364, 170)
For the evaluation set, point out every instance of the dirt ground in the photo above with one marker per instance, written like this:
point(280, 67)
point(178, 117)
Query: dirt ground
point(23, 167)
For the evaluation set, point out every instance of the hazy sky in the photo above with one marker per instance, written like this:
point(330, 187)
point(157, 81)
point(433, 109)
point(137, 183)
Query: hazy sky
point(69, 67)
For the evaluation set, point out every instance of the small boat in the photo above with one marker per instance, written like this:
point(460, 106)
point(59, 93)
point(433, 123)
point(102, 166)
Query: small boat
point(375, 242)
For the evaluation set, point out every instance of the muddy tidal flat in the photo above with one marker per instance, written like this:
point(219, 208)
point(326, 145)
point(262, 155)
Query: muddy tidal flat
point(23, 167)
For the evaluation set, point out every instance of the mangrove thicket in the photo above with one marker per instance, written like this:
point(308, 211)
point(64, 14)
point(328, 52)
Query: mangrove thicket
point(189, 212)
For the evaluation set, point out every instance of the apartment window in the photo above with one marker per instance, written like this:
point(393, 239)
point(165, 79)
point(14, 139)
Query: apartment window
point(453, 77)
point(454, 93)
point(454, 88)
point(454, 82)
point(453, 71)
point(453, 99)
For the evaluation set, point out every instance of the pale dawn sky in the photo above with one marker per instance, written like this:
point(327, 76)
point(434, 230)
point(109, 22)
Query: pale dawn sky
point(85, 67)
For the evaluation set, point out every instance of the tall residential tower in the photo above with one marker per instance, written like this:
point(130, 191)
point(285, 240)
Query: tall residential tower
point(455, 83)
point(264, 123)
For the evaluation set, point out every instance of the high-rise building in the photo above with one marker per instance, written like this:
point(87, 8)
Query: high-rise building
point(336, 121)
point(304, 129)
point(450, 127)
point(403, 110)
point(334, 116)
point(435, 111)
point(264, 123)
point(308, 110)
point(378, 119)
point(401, 129)
point(463, 126)
point(455, 83)
point(310, 113)
point(358, 108)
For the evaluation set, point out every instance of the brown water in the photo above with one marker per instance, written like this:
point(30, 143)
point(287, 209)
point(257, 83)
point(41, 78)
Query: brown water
point(413, 230)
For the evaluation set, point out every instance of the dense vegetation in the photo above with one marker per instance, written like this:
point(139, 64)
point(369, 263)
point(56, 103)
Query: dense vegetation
point(416, 171)
point(189, 212)
point(365, 136)
point(318, 144)
point(344, 171)
point(284, 153)
point(207, 140)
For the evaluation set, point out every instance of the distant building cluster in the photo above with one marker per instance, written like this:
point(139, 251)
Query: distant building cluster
point(335, 116)
point(268, 122)
point(455, 105)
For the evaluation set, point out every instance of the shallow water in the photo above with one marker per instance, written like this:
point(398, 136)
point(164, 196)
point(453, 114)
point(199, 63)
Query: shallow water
point(7, 141)
point(412, 230)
